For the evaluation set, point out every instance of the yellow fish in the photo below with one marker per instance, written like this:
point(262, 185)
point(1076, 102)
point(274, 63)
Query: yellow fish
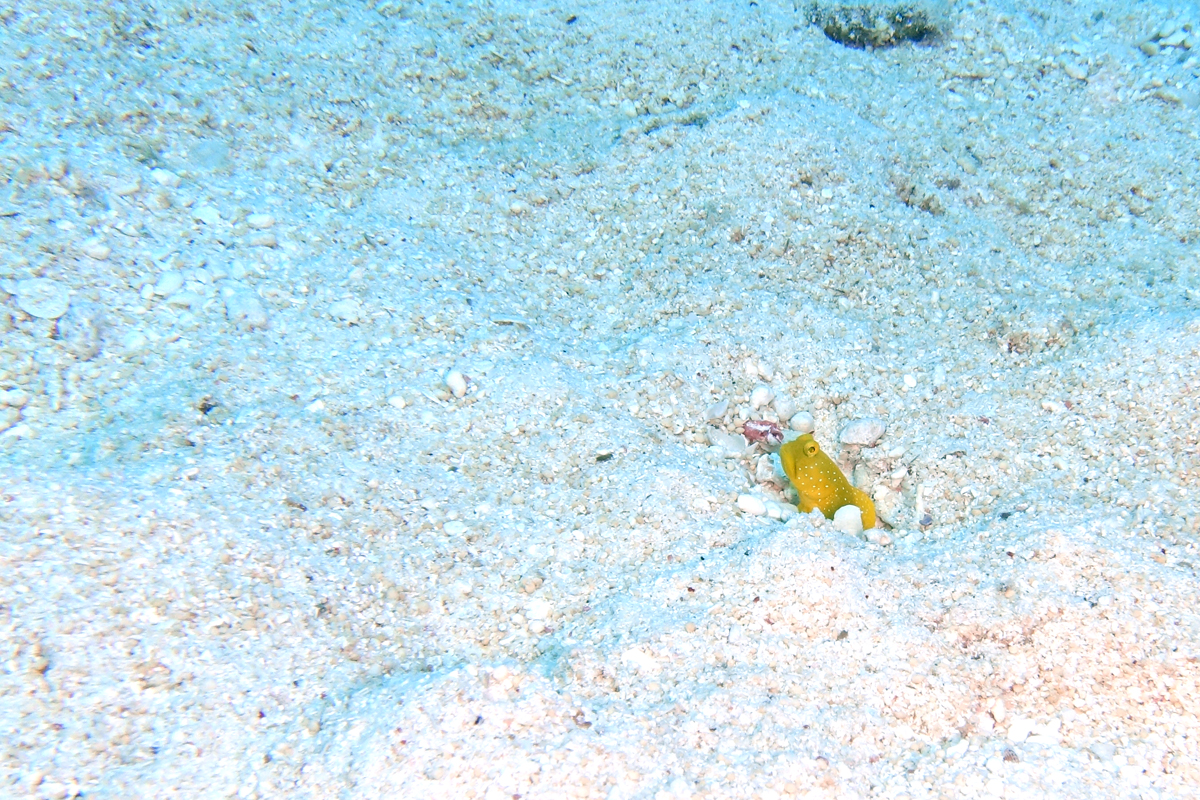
point(819, 482)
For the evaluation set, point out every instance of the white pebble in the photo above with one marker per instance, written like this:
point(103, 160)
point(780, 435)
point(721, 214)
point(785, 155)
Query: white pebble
point(456, 382)
point(1076, 71)
point(803, 422)
point(260, 222)
point(538, 608)
point(848, 520)
point(761, 396)
point(81, 329)
point(244, 309)
point(56, 169)
point(878, 536)
point(169, 283)
point(752, 505)
point(263, 239)
point(185, 299)
point(1019, 730)
point(910, 381)
point(164, 177)
point(863, 432)
point(764, 470)
point(397, 402)
point(14, 398)
point(346, 310)
point(94, 248)
point(20, 432)
point(42, 298)
point(730, 444)
point(207, 214)
point(717, 410)
point(785, 407)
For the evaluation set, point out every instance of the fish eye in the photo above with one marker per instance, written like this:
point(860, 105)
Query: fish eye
point(811, 449)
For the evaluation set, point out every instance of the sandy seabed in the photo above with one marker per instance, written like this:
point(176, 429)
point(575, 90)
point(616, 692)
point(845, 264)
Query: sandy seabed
point(373, 376)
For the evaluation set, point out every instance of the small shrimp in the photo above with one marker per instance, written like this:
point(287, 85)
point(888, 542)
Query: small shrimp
point(761, 430)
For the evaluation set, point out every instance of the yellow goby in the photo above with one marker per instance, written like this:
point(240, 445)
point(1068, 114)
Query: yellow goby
point(819, 482)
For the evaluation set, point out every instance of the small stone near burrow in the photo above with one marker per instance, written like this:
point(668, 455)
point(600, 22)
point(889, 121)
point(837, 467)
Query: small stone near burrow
point(785, 407)
point(717, 410)
point(168, 283)
point(346, 310)
point(863, 432)
point(848, 520)
point(753, 506)
point(260, 222)
point(164, 177)
point(803, 422)
point(244, 309)
point(456, 382)
point(207, 214)
point(42, 298)
point(96, 249)
point(81, 329)
point(761, 396)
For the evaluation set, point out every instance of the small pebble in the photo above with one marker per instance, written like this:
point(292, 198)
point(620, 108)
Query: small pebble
point(263, 239)
point(164, 177)
point(81, 329)
point(753, 506)
point(785, 408)
point(761, 396)
point(42, 297)
point(134, 340)
point(14, 398)
point(1019, 730)
point(863, 432)
point(538, 608)
point(456, 382)
point(260, 222)
point(878, 536)
point(1076, 71)
point(731, 444)
point(848, 520)
point(803, 422)
point(207, 214)
point(764, 470)
point(244, 309)
point(56, 169)
point(717, 410)
point(347, 310)
point(185, 299)
point(169, 283)
point(96, 249)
